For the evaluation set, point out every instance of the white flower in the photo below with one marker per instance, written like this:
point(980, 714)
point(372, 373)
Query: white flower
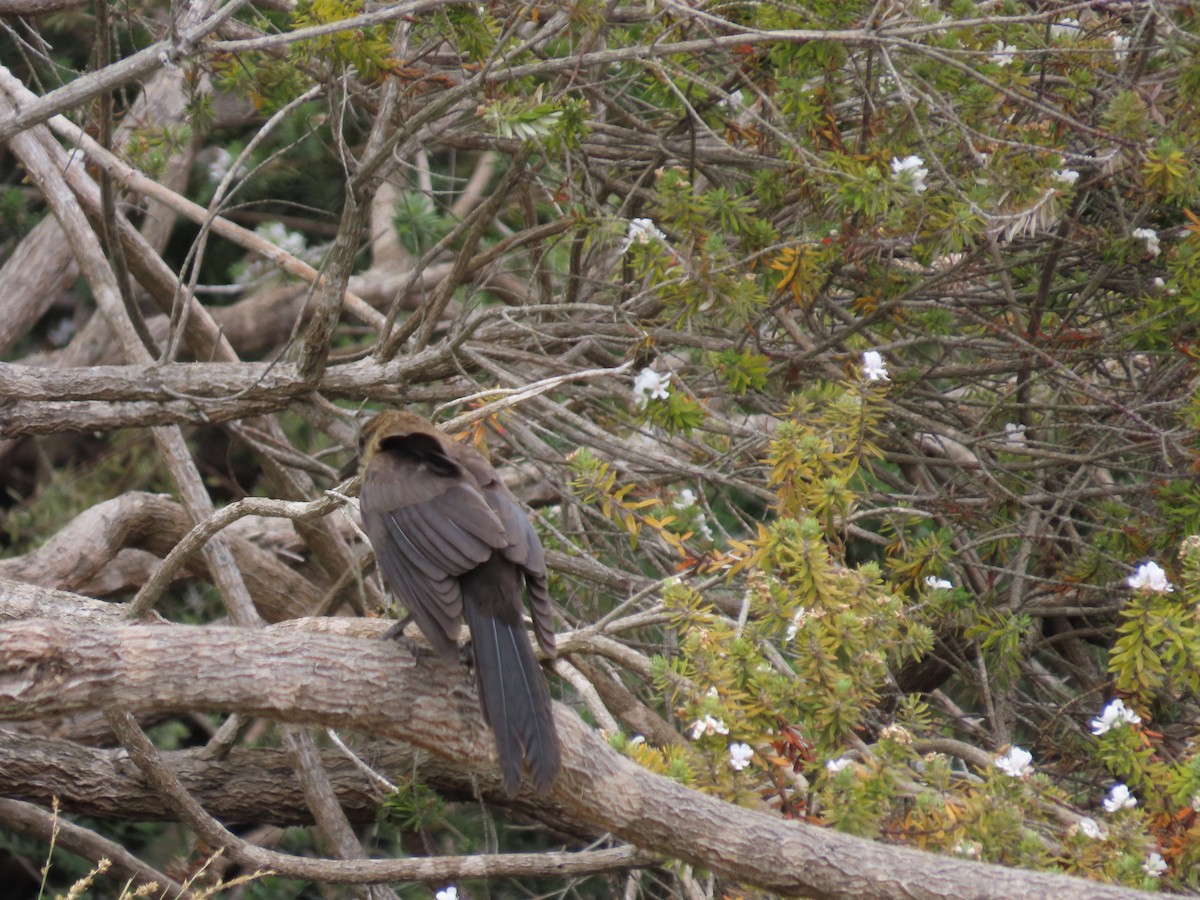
point(1091, 828)
point(218, 161)
point(935, 583)
point(1120, 45)
point(649, 385)
point(61, 332)
point(836, 765)
point(734, 102)
point(1003, 54)
point(910, 169)
point(708, 725)
point(794, 628)
point(1154, 865)
point(1150, 236)
point(897, 734)
point(1113, 716)
point(450, 893)
point(277, 233)
point(641, 231)
point(1151, 576)
point(969, 849)
point(1158, 283)
point(874, 368)
point(1118, 798)
point(1065, 176)
point(637, 740)
point(1016, 763)
point(739, 756)
point(222, 159)
point(1067, 28)
point(293, 243)
point(1014, 433)
point(686, 499)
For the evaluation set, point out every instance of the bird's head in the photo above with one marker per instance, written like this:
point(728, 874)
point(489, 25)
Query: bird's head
point(407, 435)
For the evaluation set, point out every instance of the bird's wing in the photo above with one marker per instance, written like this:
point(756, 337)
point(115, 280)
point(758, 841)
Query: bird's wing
point(524, 548)
point(427, 529)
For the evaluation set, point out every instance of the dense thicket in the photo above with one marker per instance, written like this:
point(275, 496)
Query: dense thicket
point(844, 353)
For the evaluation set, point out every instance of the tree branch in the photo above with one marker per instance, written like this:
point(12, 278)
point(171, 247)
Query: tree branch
point(296, 674)
point(25, 818)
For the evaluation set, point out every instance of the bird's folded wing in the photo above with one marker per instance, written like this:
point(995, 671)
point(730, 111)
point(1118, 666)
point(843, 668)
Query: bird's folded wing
point(525, 550)
point(423, 547)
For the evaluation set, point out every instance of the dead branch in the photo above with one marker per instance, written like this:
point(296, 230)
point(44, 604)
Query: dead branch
point(78, 555)
point(25, 818)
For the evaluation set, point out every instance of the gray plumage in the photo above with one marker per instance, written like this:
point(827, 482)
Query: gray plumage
point(454, 544)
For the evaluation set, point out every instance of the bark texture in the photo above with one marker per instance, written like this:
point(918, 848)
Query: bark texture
point(376, 687)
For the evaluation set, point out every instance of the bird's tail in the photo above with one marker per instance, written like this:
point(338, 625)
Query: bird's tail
point(512, 690)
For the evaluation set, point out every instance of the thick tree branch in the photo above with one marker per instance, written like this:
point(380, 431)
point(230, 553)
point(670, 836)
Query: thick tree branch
point(257, 786)
point(81, 550)
point(52, 668)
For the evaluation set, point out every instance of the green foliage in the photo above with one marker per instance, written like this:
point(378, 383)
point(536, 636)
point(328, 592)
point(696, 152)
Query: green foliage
point(366, 50)
point(679, 413)
point(1000, 636)
point(268, 82)
point(271, 82)
point(553, 125)
point(201, 113)
point(816, 454)
point(920, 555)
point(1127, 116)
point(729, 212)
point(1157, 648)
point(856, 801)
point(419, 223)
point(473, 29)
point(16, 218)
point(127, 464)
point(843, 631)
point(1167, 171)
point(838, 631)
point(150, 149)
point(594, 482)
point(526, 119)
point(742, 371)
point(860, 187)
point(413, 806)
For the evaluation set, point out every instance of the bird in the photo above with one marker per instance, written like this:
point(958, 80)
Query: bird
point(454, 544)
